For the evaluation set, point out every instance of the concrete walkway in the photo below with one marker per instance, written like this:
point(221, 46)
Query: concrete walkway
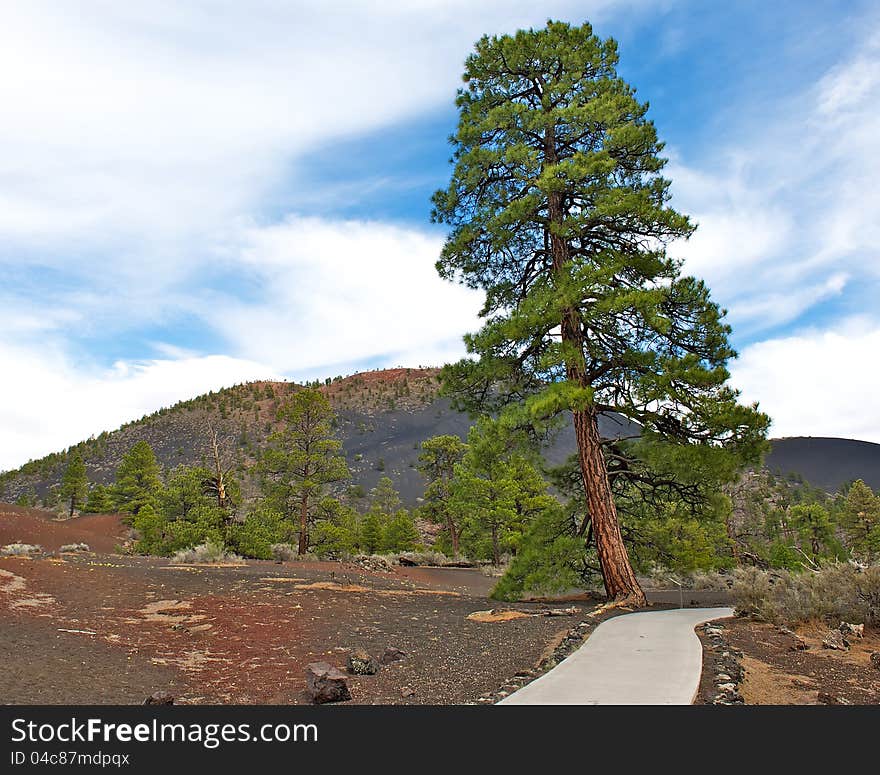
point(645, 658)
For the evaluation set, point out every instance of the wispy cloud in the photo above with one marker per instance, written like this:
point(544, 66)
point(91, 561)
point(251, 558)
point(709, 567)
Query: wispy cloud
point(789, 216)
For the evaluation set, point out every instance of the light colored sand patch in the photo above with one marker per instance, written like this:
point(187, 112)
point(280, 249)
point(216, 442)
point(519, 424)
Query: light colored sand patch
point(497, 616)
point(331, 586)
point(194, 661)
point(165, 605)
point(763, 685)
point(280, 579)
point(9, 582)
point(39, 600)
point(167, 612)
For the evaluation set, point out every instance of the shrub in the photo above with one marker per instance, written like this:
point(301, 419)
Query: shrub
point(74, 548)
point(259, 532)
point(426, 558)
point(835, 592)
point(283, 552)
point(207, 552)
point(547, 562)
point(712, 580)
point(19, 549)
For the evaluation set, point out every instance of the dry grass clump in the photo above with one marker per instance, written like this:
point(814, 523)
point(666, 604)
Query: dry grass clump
point(69, 548)
point(283, 552)
point(661, 577)
point(205, 553)
point(19, 549)
point(713, 580)
point(834, 592)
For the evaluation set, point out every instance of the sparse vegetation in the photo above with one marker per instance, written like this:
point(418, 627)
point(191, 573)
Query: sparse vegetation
point(834, 592)
point(73, 548)
point(20, 550)
point(208, 552)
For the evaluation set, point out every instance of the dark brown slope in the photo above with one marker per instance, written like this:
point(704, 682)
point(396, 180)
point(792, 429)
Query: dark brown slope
point(383, 417)
point(825, 462)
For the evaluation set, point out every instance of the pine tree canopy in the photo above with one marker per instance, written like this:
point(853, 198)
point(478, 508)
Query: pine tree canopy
point(559, 211)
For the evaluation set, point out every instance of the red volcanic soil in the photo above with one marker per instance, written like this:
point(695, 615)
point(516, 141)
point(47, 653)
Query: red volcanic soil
point(102, 532)
point(112, 629)
point(107, 628)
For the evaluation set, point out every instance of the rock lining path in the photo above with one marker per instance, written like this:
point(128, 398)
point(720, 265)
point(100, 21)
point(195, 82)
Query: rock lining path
point(643, 658)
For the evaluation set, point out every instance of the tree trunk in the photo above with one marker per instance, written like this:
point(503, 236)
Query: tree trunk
point(617, 573)
point(496, 551)
point(72, 502)
point(453, 535)
point(303, 525)
point(621, 584)
point(731, 533)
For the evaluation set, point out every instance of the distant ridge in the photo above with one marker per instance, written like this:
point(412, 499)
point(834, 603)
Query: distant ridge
point(383, 416)
point(825, 462)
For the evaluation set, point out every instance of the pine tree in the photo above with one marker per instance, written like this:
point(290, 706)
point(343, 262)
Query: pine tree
point(384, 499)
point(496, 492)
point(303, 460)
point(814, 525)
point(861, 515)
point(371, 537)
point(138, 480)
point(74, 484)
point(401, 534)
point(99, 501)
point(559, 212)
point(437, 462)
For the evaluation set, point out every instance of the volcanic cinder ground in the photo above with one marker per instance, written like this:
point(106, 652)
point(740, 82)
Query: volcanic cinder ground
point(103, 627)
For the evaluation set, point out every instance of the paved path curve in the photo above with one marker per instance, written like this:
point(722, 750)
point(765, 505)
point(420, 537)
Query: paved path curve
point(645, 658)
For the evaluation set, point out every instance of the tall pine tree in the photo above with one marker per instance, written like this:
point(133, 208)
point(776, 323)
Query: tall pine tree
point(558, 210)
point(437, 462)
point(303, 460)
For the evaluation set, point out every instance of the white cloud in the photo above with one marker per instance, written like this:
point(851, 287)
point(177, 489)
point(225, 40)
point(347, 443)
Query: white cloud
point(48, 402)
point(342, 291)
point(773, 307)
point(162, 120)
point(137, 137)
point(789, 214)
point(142, 141)
point(817, 382)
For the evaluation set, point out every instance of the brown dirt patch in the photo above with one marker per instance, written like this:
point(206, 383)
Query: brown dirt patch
point(497, 616)
point(776, 674)
point(102, 532)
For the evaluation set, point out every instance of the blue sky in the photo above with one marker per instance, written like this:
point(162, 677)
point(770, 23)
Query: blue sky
point(193, 195)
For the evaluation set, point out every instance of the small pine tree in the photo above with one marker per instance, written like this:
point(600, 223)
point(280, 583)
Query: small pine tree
point(861, 515)
point(401, 534)
point(303, 462)
point(74, 484)
point(138, 479)
point(28, 499)
point(815, 527)
point(371, 538)
point(437, 462)
point(384, 499)
point(99, 501)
